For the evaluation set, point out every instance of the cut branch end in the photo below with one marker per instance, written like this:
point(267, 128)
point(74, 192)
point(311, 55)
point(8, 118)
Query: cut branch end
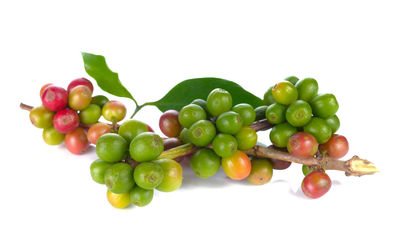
point(358, 167)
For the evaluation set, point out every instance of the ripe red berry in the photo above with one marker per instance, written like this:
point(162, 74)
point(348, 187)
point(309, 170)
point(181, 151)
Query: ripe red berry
point(54, 98)
point(80, 81)
point(169, 123)
point(66, 120)
point(336, 147)
point(44, 88)
point(76, 141)
point(316, 184)
point(302, 145)
point(97, 130)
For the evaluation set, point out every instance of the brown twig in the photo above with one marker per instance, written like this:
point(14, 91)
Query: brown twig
point(262, 125)
point(352, 167)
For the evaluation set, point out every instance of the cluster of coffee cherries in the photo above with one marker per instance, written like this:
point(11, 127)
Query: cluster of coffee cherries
point(305, 124)
point(129, 165)
point(71, 115)
point(222, 132)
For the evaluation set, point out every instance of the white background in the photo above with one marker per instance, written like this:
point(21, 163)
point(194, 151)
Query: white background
point(48, 200)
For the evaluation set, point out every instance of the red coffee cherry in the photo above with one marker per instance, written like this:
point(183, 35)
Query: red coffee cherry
point(76, 141)
point(336, 147)
point(44, 88)
point(316, 184)
point(302, 145)
point(66, 120)
point(169, 123)
point(54, 98)
point(80, 81)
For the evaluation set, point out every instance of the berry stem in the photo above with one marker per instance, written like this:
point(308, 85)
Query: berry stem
point(178, 151)
point(25, 107)
point(114, 127)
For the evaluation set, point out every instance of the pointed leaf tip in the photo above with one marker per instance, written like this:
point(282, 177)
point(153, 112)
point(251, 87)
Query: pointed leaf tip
point(107, 80)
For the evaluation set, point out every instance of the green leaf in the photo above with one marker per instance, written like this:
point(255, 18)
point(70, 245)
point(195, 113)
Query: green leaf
point(107, 80)
point(188, 90)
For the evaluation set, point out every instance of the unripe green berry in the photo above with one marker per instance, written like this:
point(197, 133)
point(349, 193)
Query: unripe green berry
point(219, 101)
point(246, 112)
point(246, 138)
point(202, 133)
point(52, 137)
point(41, 117)
point(190, 114)
point(90, 114)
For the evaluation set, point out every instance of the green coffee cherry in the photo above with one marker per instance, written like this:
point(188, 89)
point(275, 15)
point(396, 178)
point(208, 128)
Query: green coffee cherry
point(275, 113)
point(333, 122)
point(141, 197)
point(148, 175)
point(246, 138)
point(268, 97)
point(52, 137)
point(205, 163)
point(219, 101)
point(146, 146)
point(200, 102)
point(320, 129)
point(97, 170)
point(224, 145)
point(299, 113)
point(172, 175)
point(229, 122)
point(119, 178)
point(90, 114)
point(99, 100)
point(203, 104)
point(202, 133)
point(246, 112)
point(41, 117)
point(184, 135)
point(292, 79)
point(190, 114)
point(260, 112)
point(324, 105)
point(132, 128)
point(280, 134)
point(307, 89)
point(111, 147)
